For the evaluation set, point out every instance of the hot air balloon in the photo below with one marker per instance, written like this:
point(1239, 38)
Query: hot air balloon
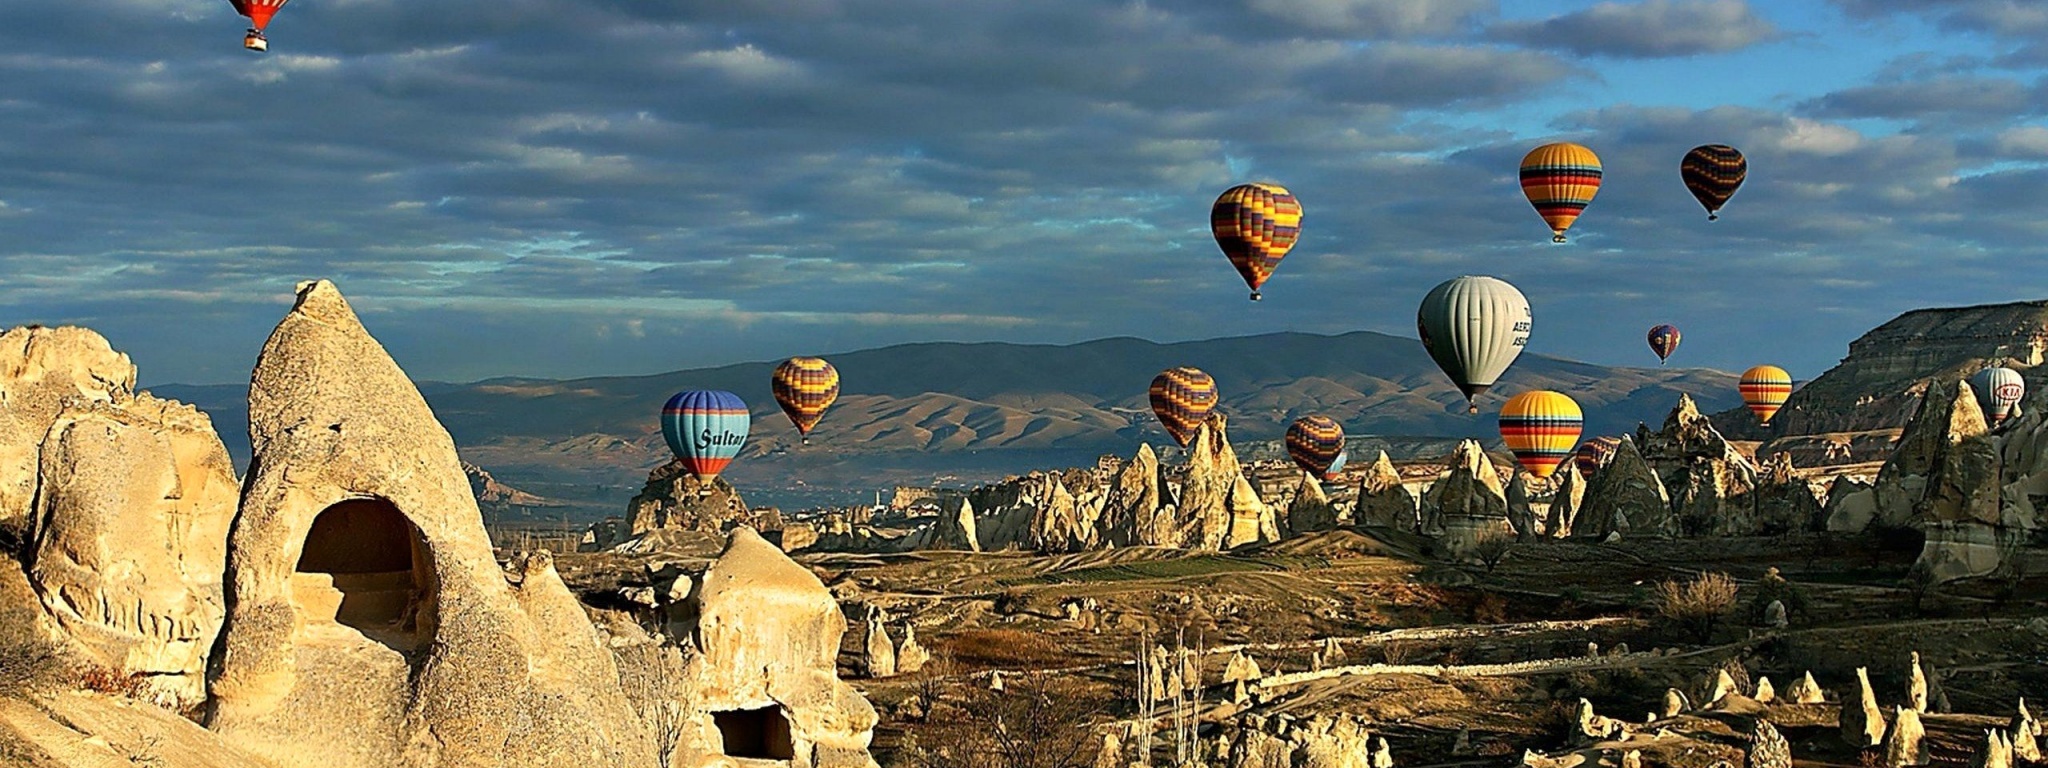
point(259, 13)
point(1594, 454)
point(1713, 172)
point(1337, 465)
point(1541, 427)
point(1998, 392)
point(1315, 442)
point(1560, 180)
point(1181, 398)
point(1473, 327)
point(1764, 389)
point(705, 428)
point(805, 387)
point(1663, 341)
point(1256, 225)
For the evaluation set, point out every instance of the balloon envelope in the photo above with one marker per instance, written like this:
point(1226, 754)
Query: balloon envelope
point(805, 387)
point(1560, 181)
point(1315, 442)
point(1182, 398)
point(1998, 391)
point(1541, 427)
point(1664, 341)
point(1256, 225)
point(1713, 172)
point(258, 11)
point(1594, 454)
point(705, 428)
point(1474, 327)
point(1764, 389)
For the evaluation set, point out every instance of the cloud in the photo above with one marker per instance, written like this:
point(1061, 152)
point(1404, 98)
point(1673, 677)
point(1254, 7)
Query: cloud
point(1958, 97)
point(1647, 30)
point(1434, 76)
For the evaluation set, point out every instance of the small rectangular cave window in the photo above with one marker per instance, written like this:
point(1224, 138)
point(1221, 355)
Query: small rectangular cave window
point(755, 733)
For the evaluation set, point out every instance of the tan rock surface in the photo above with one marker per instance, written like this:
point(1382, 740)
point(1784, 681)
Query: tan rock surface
point(40, 368)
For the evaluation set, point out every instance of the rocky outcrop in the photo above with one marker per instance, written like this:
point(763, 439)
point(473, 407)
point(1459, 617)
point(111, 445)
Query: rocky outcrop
point(1468, 505)
point(1626, 498)
point(491, 494)
point(368, 623)
point(1767, 747)
point(1945, 479)
point(1907, 743)
point(878, 655)
point(1383, 500)
point(911, 656)
point(1852, 505)
point(1521, 515)
point(1565, 502)
point(1322, 741)
point(1861, 721)
point(1992, 752)
point(41, 369)
point(1310, 510)
point(134, 501)
point(955, 528)
point(1784, 502)
point(674, 499)
point(1218, 508)
point(1805, 691)
point(1707, 481)
point(1133, 510)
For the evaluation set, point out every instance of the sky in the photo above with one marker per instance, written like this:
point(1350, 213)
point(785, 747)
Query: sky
point(569, 188)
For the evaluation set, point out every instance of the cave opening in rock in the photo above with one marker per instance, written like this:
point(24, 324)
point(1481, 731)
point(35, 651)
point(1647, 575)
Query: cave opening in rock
point(755, 733)
point(365, 566)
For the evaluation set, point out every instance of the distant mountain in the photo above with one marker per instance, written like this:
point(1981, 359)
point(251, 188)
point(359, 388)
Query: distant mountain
point(992, 407)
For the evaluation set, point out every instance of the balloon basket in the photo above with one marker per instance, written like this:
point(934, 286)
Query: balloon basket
point(1558, 238)
point(255, 41)
point(1256, 296)
point(1713, 217)
point(1472, 409)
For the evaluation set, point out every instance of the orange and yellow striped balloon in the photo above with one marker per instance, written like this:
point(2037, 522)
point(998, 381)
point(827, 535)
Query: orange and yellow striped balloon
point(1256, 225)
point(1560, 181)
point(1182, 398)
point(805, 387)
point(1542, 428)
point(1764, 389)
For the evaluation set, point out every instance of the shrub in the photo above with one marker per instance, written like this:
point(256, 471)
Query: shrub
point(1493, 548)
point(1696, 607)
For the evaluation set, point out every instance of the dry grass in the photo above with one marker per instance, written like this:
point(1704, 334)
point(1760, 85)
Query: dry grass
point(1696, 606)
point(1001, 648)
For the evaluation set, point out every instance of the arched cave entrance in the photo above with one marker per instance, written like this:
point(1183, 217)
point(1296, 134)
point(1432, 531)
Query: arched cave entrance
point(365, 566)
point(761, 734)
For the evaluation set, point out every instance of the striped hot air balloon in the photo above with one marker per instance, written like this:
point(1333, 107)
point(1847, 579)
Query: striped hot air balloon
point(1560, 181)
point(1315, 442)
point(259, 13)
point(1999, 391)
point(1713, 172)
point(1541, 427)
point(705, 428)
point(1473, 327)
point(1664, 341)
point(1256, 225)
point(1594, 454)
point(1182, 398)
point(805, 387)
point(1764, 389)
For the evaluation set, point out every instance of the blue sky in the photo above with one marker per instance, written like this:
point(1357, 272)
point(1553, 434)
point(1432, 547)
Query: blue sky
point(590, 187)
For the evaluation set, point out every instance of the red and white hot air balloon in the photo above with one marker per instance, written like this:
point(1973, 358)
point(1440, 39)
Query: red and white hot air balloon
point(259, 13)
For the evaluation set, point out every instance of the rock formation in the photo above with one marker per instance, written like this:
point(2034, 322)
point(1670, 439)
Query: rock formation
point(1241, 671)
point(1805, 691)
point(1722, 687)
point(878, 654)
point(40, 370)
point(910, 655)
point(1675, 703)
point(1767, 747)
point(674, 499)
point(1468, 504)
point(1916, 685)
point(1521, 516)
point(1134, 512)
point(1907, 744)
point(1383, 500)
point(1765, 692)
point(1321, 741)
point(1861, 720)
point(1590, 727)
point(2021, 735)
point(1565, 502)
point(955, 529)
point(1993, 752)
point(1775, 615)
point(1626, 498)
point(1784, 502)
point(1708, 483)
point(1218, 508)
point(1310, 509)
point(1852, 505)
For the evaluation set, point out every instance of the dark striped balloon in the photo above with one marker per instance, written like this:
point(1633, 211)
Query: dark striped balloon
point(805, 387)
point(1315, 442)
point(1255, 225)
point(1594, 455)
point(1664, 341)
point(1182, 398)
point(1712, 173)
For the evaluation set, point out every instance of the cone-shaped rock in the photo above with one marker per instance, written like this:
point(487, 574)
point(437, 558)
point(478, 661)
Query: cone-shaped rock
point(1566, 502)
point(1627, 498)
point(1469, 502)
point(1862, 722)
point(1383, 500)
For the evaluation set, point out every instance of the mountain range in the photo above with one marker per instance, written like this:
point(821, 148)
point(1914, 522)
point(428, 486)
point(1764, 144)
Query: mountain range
point(958, 412)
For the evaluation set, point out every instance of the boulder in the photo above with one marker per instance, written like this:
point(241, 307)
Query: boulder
point(1675, 703)
point(1626, 498)
point(42, 368)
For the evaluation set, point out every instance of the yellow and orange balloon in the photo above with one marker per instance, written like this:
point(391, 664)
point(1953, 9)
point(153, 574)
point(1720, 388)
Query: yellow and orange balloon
point(1182, 398)
point(805, 387)
point(1764, 389)
point(1541, 428)
point(1560, 181)
point(1255, 225)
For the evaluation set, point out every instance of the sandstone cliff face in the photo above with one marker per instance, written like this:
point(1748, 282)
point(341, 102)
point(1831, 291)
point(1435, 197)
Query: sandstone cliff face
point(1708, 481)
point(368, 623)
point(40, 369)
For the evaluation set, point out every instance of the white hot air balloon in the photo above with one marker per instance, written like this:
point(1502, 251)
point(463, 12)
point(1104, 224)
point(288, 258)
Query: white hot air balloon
point(1474, 327)
point(1998, 392)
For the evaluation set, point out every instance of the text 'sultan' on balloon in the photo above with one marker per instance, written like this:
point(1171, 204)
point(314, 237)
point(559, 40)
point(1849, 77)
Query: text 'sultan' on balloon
point(1315, 442)
point(1712, 173)
point(805, 387)
point(1999, 391)
point(1664, 341)
point(1474, 327)
point(259, 13)
point(1182, 398)
point(1540, 428)
point(1256, 225)
point(1560, 181)
point(1764, 390)
point(705, 429)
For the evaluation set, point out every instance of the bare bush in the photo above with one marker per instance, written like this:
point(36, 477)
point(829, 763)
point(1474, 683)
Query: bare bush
point(1696, 606)
point(1039, 721)
point(1492, 549)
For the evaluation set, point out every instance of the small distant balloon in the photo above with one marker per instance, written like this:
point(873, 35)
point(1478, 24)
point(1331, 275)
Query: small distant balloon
point(1764, 390)
point(1474, 328)
point(1560, 180)
point(805, 387)
point(1664, 341)
point(1315, 443)
point(1594, 454)
point(1999, 391)
point(259, 13)
point(705, 429)
point(1713, 172)
point(1256, 225)
point(1182, 398)
point(1541, 427)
